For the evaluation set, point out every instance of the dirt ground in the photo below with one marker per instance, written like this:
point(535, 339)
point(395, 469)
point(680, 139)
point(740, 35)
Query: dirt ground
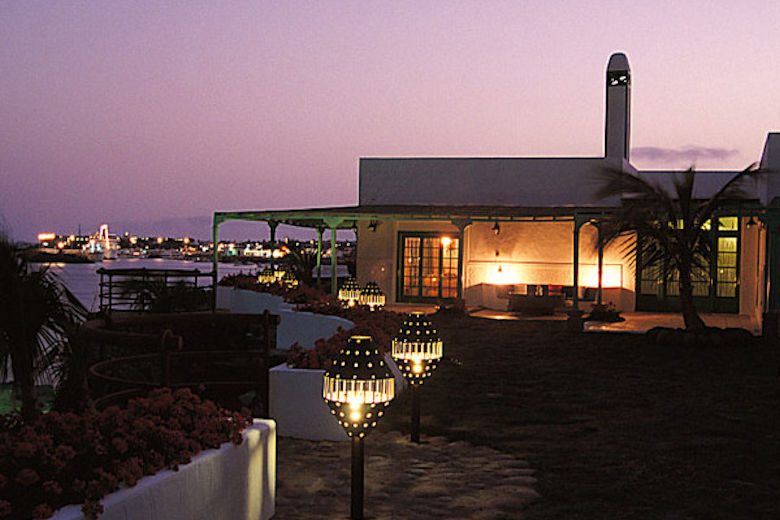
point(615, 426)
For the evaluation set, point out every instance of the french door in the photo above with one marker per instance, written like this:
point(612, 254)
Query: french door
point(427, 267)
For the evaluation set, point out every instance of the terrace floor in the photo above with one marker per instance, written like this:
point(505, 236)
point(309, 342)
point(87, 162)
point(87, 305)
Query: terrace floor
point(635, 322)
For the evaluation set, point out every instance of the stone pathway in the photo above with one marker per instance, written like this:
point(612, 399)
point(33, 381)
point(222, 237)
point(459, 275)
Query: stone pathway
point(403, 480)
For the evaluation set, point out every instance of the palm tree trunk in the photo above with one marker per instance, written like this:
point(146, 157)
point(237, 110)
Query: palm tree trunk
point(25, 381)
point(691, 316)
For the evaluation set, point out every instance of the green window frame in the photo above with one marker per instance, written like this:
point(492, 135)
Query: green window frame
point(428, 266)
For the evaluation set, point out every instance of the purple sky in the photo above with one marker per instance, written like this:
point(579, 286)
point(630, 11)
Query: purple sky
point(110, 111)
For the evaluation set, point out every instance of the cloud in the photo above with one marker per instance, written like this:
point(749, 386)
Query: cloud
point(686, 153)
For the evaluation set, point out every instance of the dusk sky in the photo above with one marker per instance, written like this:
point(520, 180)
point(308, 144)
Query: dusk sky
point(140, 111)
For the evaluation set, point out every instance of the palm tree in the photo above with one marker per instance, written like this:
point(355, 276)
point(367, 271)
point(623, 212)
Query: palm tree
point(673, 226)
point(34, 317)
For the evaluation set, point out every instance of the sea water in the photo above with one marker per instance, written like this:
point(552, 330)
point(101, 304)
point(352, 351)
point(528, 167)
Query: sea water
point(83, 280)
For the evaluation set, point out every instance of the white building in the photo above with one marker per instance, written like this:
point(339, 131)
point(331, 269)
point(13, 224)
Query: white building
point(438, 229)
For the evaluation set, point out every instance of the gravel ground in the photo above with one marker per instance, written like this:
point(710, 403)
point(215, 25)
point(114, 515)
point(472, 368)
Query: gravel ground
point(403, 480)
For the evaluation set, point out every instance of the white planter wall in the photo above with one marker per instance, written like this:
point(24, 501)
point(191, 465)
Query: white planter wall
point(297, 406)
point(235, 482)
point(303, 327)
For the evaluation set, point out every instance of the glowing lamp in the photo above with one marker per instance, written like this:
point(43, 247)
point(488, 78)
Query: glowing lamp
point(372, 296)
point(357, 388)
point(289, 280)
point(266, 276)
point(349, 294)
point(417, 349)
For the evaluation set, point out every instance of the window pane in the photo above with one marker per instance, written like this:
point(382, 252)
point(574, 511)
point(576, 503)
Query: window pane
point(728, 224)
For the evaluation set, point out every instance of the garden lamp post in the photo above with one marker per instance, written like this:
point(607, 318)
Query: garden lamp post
point(416, 349)
point(372, 296)
point(349, 294)
point(357, 388)
point(266, 276)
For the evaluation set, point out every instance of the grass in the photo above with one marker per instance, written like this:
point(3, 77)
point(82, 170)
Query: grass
point(617, 427)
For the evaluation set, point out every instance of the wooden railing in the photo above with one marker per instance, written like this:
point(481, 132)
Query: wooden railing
point(138, 289)
point(225, 357)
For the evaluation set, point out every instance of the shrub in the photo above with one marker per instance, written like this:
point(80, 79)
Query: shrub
point(67, 458)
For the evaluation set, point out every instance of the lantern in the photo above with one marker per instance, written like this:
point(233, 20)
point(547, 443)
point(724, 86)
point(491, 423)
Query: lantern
point(372, 296)
point(417, 349)
point(357, 388)
point(289, 280)
point(266, 276)
point(279, 274)
point(349, 294)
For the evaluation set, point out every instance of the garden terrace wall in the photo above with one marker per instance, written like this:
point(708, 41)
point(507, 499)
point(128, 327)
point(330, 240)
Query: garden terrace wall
point(305, 328)
point(235, 481)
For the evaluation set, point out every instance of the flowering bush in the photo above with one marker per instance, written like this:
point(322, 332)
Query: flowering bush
point(65, 458)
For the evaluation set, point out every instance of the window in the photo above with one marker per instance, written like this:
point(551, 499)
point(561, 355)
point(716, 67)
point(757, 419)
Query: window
point(428, 267)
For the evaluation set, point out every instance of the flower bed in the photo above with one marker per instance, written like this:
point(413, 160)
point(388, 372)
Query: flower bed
point(67, 458)
point(380, 325)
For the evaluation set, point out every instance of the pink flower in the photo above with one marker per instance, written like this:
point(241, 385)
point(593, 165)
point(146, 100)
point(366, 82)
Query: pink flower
point(27, 477)
point(42, 511)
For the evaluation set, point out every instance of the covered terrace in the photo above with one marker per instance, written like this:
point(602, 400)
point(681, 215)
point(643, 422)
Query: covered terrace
point(460, 216)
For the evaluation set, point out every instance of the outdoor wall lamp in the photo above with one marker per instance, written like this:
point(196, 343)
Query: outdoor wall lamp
point(372, 226)
point(416, 349)
point(496, 227)
point(349, 294)
point(751, 223)
point(357, 388)
point(372, 296)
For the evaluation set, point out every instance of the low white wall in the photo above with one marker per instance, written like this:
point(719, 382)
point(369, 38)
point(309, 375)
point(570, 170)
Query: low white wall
point(236, 482)
point(303, 327)
point(306, 328)
point(297, 406)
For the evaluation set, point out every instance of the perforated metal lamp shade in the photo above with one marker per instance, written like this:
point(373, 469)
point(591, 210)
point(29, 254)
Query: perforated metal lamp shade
point(372, 296)
point(358, 386)
point(266, 276)
point(349, 294)
point(417, 348)
point(289, 280)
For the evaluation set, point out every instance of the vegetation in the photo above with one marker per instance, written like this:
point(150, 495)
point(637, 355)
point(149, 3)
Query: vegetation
point(158, 296)
point(36, 316)
point(615, 426)
point(673, 226)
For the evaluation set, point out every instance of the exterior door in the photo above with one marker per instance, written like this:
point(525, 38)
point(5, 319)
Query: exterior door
point(715, 289)
point(428, 267)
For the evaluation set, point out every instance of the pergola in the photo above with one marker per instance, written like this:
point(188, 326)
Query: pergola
point(347, 217)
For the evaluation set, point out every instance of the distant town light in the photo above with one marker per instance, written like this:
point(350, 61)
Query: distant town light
point(45, 237)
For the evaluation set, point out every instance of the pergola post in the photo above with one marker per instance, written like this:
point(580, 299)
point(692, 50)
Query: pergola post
point(272, 226)
point(575, 296)
point(319, 254)
point(333, 224)
point(461, 224)
point(214, 259)
point(601, 262)
point(334, 283)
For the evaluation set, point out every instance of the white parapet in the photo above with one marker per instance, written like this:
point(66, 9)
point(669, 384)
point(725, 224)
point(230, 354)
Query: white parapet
point(297, 406)
point(236, 482)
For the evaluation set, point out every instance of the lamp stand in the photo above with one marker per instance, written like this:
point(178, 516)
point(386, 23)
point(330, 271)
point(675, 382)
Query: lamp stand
point(415, 389)
point(357, 478)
